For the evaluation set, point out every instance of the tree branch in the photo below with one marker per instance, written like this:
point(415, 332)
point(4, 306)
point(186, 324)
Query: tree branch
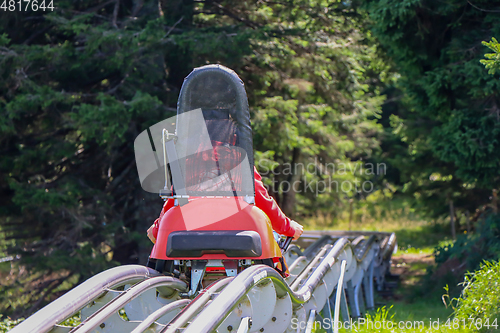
point(233, 15)
point(483, 10)
point(173, 27)
point(36, 34)
point(115, 13)
point(57, 283)
point(96, 8)
point(118, 179)
point(137, 7)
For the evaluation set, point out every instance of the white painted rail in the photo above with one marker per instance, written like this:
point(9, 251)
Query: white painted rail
point(256, 300)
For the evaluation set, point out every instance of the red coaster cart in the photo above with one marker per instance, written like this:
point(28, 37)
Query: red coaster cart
point(213, 228)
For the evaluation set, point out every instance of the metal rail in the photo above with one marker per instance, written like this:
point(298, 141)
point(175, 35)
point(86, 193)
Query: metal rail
point(338, 295)
point(146, 323)
point(197, 304)
point(116, 304)
point(74, 300)
point(333, 261)
point(213, 315)
point(362, 247)
point(215, 312)
point(389, 246)
point(327, 262)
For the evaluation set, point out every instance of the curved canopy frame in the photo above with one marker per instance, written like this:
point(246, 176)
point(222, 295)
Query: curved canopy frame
point(213, 119)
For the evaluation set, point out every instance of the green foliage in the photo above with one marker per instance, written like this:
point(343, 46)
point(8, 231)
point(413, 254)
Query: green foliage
point(383, 320)
point(492, 63)
point(80, 83)
point(7, 324)
point(442, 124)
point(73, 321)
point(381, 315)
point(308, 83)
point(473, 139)
point(472, 249)
point(480, 298)
point(75, 93)
point(453, 259)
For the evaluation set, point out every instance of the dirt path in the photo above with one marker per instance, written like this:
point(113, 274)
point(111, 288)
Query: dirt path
point(408, 297)
point(410, 267)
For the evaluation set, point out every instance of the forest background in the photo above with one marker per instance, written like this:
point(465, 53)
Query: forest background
point(397, 83)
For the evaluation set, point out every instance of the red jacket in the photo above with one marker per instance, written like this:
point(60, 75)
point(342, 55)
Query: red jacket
point(279, 221)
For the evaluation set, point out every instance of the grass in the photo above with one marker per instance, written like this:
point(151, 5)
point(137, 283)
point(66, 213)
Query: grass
point(409, 302)
point(414, 234)
point(481, 295)
point(384, 320)
point(5, 267)
point(7, 324)
point(431, 308)
point(417, 237)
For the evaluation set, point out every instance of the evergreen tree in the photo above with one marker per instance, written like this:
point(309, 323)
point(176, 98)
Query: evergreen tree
point(79, 83)
point(447, 117)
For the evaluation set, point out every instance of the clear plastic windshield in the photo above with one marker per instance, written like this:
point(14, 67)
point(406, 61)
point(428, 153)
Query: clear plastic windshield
point(211, 154)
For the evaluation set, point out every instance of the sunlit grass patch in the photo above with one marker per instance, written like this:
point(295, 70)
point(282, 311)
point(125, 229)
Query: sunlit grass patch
point(387, 320)
point(7, 324)
point(480, 298)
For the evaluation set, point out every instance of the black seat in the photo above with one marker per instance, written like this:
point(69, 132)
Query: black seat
point(232, 243)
